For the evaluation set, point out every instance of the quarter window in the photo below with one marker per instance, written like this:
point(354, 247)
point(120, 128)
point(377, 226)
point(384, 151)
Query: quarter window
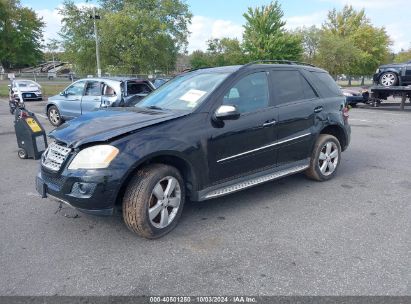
point(249, 94)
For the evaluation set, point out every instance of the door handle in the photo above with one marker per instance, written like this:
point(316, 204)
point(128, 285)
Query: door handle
point(269, 123)
point(318, 109)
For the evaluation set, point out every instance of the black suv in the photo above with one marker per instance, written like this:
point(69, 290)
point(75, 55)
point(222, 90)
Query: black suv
point(394, 74)
point(204, 134)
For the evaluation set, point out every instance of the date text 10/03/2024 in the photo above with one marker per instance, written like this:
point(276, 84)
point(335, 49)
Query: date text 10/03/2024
point(204, 299)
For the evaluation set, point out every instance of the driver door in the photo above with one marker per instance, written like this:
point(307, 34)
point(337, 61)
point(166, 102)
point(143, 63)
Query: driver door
point(247, 144)
point(70, 106)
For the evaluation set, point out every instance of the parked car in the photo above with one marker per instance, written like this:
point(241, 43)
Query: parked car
point(90, 94)
point(25, 90)
point(394, 74)
point(158, 82)
point(204, 134)
point(354, 97)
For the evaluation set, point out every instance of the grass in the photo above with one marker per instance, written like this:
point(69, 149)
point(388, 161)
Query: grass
point(48, 88)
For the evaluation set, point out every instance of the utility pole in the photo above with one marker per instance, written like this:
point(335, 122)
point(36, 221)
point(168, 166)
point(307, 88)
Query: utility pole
point(94, 17)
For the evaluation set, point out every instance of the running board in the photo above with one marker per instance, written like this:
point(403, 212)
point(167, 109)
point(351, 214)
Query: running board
point(247, 183)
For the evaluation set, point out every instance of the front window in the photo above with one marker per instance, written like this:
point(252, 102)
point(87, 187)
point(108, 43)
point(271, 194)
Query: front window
point(76, 88)
point(184, 93)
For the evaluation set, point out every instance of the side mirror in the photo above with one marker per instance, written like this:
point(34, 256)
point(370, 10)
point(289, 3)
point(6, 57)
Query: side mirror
point(63, 93)
point(9, 85)
point(227, 112)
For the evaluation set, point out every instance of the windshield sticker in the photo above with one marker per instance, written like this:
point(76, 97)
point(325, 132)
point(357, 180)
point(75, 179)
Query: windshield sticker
point(192, 96)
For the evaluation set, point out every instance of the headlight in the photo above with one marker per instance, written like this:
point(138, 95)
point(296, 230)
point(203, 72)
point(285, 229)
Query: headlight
point(347, 94)
point(96, 157)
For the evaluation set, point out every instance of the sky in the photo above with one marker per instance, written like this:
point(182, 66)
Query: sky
point(224, 18)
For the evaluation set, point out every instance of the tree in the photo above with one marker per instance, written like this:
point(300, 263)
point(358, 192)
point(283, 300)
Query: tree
point(336, 54)
point(265, 36)
point(21, 33)
point(135, 36)
point(369, 44)
point(403, 56)
point(220, 52)
point(310, 37)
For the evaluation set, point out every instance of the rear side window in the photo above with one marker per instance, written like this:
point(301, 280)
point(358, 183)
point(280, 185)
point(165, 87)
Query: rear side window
point(327, 86)
point(290, 86)
point(93, 88)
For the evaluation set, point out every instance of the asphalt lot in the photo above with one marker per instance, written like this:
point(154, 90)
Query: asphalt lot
point(348, 236)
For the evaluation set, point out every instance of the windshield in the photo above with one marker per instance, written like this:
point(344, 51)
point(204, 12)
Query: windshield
point(185, 92)
point(23, 84)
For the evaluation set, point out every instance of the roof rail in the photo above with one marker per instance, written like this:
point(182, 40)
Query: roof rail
point(280, 61)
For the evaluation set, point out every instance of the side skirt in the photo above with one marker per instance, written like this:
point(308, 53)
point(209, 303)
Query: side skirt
point(248, 181)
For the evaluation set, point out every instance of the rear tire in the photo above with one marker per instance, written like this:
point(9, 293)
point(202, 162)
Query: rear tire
point(325, 158)
point(154, 200)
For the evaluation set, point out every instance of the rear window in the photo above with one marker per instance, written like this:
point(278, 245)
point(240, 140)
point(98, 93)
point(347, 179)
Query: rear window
point(137, 88)
point(327, 86)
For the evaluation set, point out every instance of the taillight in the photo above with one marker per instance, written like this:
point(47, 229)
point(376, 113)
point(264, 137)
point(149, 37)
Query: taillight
point(345, 113)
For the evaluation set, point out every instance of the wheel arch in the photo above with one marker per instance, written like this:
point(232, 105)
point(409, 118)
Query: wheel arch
point(166, 158)
point(338, 132)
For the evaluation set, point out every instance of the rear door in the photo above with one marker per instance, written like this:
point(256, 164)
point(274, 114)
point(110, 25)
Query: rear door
point(92, 96)
point(296, 101)
point(70, 103)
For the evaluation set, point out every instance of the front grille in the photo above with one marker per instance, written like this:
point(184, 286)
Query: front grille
point(54, 157)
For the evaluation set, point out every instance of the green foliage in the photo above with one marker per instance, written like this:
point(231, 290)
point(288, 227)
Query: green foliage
point(220, 52)
point(21, 33)
point(310, 37)
point(403, 56)
point(350, 44)
point(135, 36)
point(336, 54)
point(265, 36)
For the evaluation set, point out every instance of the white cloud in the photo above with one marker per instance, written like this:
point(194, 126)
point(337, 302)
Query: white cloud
point(204, 28)
point(53, 23)
point(316, 18)
point(52, 18)
point(400, 38)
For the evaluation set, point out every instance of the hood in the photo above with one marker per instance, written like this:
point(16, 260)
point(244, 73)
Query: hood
point(105, 124)
point(29, 89)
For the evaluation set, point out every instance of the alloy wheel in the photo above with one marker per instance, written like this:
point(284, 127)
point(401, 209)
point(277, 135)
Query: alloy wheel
point(164, 202)
point(328, 158)
point(388, 79)
point(54, 116)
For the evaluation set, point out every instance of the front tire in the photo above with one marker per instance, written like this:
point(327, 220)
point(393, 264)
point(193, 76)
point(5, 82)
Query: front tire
point(325, 158)
point(54, 116)
point(389, 79)
point(154, 200)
